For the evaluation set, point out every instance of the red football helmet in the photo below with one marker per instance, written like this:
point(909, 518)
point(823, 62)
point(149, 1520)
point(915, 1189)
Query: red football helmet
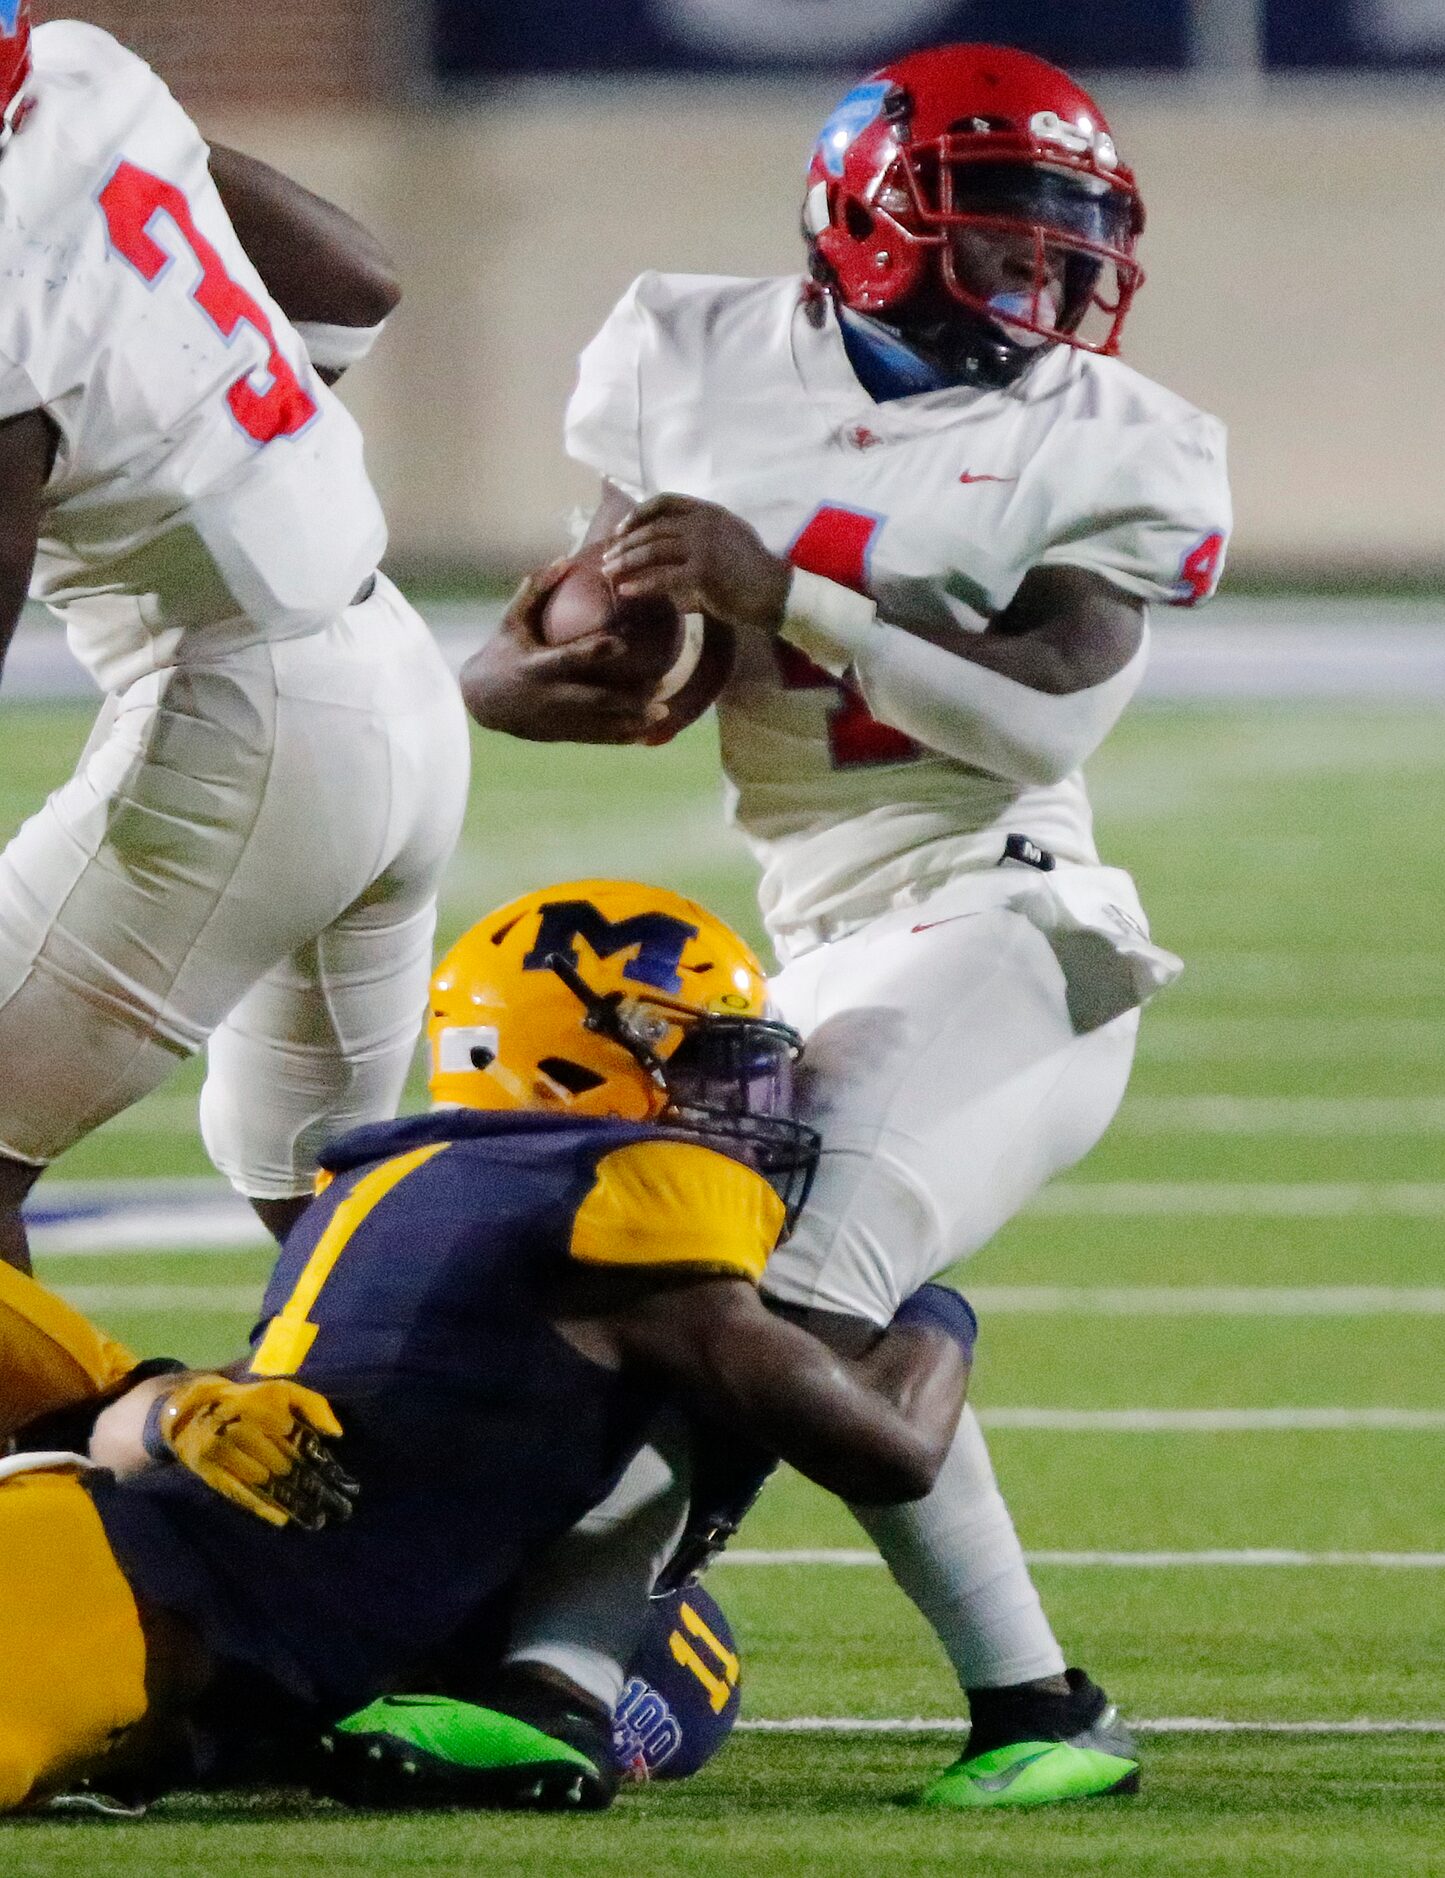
point(14, 63)
point(987, 139)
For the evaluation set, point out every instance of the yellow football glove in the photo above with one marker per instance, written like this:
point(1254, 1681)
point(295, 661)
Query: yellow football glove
point(259, 1444)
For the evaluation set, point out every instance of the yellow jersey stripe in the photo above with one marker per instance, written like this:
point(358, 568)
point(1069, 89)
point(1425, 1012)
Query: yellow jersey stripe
point(291, 1333)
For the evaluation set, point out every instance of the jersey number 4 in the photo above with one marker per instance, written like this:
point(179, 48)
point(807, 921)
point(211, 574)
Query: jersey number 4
point(131, 202)
point(836, 543)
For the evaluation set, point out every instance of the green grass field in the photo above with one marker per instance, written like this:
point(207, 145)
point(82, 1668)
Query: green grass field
point(1283, 1132)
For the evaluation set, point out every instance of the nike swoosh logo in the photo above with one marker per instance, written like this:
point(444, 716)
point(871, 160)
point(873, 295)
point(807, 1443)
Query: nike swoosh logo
point(967, 477)
point(995, 1783)
point(929, 924)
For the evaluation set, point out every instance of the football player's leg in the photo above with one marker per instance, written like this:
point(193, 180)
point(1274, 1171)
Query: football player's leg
point(70, 1638)
point(581, 1613)
point(105, 895)
point(536, 1732)
point(949, 1084)
point(365, 804)
point(321, 1044)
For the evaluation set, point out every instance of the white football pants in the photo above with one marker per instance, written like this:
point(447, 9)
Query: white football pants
point(248, 853)
point(959, 1055)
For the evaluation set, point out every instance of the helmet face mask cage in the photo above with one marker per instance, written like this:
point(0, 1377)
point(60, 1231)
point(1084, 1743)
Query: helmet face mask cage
point(728, 1082)
point(1076, 230)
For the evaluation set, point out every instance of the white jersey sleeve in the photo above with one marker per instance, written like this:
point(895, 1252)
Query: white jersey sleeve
point(205, 479)
point(604, 418)
point(1153, 519)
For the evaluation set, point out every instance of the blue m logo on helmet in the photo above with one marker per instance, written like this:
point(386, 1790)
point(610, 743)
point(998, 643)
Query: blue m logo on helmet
point(660, 941)
point(10, 11)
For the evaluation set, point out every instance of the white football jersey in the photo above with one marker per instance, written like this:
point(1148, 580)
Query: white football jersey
point(740, 392)
point(206, 480)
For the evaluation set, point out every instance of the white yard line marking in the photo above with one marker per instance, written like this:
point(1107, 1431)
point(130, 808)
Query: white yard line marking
point(991, 1300)
point(1150, 1421)
point(93, 1219)
point(1162, 1725)
point(1250, 1199)
point(1179, 1037)
point(1307, 1116)
point(1214, 1559)
point(165, 1300)
point(1208, 1300)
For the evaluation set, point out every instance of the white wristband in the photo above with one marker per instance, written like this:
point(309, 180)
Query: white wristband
point(334, 348)
point(831, 624)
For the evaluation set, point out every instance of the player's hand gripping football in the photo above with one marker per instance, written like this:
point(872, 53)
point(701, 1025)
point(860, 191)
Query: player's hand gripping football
point(703, 558)
point(519, 684)
point(262, 1445)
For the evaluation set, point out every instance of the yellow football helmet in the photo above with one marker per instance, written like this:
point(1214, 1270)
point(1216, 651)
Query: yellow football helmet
point(609, 998)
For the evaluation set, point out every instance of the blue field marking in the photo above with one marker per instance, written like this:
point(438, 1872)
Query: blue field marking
point(86, 1219)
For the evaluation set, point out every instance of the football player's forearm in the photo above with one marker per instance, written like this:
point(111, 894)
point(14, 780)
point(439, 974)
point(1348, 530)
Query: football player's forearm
point(117, 1441)
point(980, 716)
point(875, 1429)
point(320, 263)
point(1030, 699)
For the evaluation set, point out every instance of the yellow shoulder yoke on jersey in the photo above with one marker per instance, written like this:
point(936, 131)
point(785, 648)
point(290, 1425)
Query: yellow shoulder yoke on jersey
point(50, 1356)
point(677, 1204)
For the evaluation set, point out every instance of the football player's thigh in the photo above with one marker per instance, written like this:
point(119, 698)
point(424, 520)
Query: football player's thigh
point(107, 893)
point(321, 1044)
point(323, 1041)
point(948, 1084)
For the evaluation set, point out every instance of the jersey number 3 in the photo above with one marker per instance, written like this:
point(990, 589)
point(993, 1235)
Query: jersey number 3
point(836, 543)
point(131, 202)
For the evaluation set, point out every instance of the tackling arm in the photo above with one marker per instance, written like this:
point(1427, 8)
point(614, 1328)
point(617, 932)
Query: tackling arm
point(875, 1428)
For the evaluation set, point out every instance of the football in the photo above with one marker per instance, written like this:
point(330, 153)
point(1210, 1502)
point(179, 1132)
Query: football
point(681, 660)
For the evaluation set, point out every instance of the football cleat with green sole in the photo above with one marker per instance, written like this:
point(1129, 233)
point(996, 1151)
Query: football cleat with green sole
point(1095, 1759)
point(431, 1751)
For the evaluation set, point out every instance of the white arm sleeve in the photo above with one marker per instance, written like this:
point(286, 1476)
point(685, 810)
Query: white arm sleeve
point(336, 348)
point(948, 703)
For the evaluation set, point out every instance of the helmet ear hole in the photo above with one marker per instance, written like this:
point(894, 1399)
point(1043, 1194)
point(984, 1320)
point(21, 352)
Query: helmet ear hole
point(857, 219)
point(575, 1078)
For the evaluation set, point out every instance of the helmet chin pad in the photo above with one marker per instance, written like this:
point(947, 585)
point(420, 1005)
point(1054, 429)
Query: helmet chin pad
point(962, 346)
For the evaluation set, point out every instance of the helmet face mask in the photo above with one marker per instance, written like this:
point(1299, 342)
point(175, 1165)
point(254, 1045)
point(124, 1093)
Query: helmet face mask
point(971, 200)
point(730, 1083)
point(607, 998)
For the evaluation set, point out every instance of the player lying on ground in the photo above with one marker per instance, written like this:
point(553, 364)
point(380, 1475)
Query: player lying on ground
point(248, 854)
point(498, 1299)
point(932, 509)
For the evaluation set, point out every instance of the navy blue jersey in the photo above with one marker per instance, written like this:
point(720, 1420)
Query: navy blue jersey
point(413, 1294)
